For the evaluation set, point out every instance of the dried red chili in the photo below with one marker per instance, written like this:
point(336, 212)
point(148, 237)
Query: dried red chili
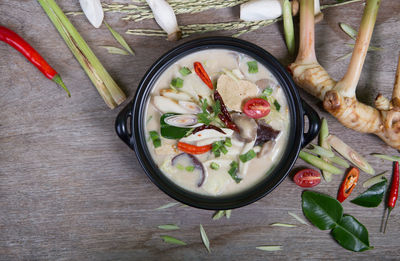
point(394, 192)
point(348, 184)
point(16, 41)
point(224, 116)
point(204, 127)
point(199, 69)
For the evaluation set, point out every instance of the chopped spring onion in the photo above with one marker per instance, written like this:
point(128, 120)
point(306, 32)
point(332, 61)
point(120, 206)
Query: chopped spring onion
point(374, 180)
point(282, 225)
point(386, 157)
point(267, 91)
point(120, 39)
point(180, 166)
point(302, 221)
point(190, 168)
point(155, 138)
point(172, 240)
point(247, 156)
point(228, 142)
point(101, 79)
point(319, 163)
point(277, 105)
point(223, 149)
point(214, 165)
point(253, 67)
point(168, 227)
point(185, 71)
point(269, 248)
point(168, 205)
point(177, 82)
point(219, 214)
point(204, 238)
point(233, 171)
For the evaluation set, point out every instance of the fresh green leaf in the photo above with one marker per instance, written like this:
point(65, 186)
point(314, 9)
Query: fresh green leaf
point(115, 50)
point(155, 137)
point(168, 205)
point(269, 248)
point(277, 105)
point(253, 66)
point(214, 165)
point(171, 132)
point(185, 71)
point(204, 238)
point(233, 171)
point(168, 227)
point(373, 196)
point(322, 211)
point(172, 240)
point(351, 234)
point(190, 168)
point(177, 82)
point(119, 38)
point(247, 156)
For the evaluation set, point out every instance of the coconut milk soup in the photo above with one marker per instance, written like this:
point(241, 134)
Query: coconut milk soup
point(217, 122)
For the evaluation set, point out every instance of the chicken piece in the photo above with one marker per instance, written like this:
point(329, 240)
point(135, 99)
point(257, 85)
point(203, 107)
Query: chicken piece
point(235, 92)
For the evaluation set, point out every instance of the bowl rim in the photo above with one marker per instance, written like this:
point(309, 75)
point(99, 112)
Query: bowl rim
point(255, 192)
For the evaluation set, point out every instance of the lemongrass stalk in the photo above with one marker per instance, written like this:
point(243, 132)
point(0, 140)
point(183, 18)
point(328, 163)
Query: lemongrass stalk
point(386, 157)
point(339, 161)
point(347, 85)
point(105, 85)
point(320, 151)
point(319, 163)
point(323, 134)
point(306, 48)
point(288, 26)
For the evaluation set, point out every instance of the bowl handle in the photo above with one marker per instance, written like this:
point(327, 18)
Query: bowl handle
point(121, 125)
point(314, 123)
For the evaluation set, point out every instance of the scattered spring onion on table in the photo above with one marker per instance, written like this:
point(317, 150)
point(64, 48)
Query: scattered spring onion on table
point(106, 86)
point(16, 41)
point(168, 227)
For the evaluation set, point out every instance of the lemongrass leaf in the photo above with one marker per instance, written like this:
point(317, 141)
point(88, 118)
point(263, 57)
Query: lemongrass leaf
point(219, 214)
point(386, 157)
point(204, 238)
point(344, 56)
point(167, 205)
point(119, 38)
point(172, 240)
point(302, 221)
point(270, 248)
point(168, 227)
point(350, 31)
point(282, 225)
point(115, 50)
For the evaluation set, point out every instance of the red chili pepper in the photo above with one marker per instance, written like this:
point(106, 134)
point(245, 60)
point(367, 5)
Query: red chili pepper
point(204, 127)
point(348, 184)
point(199, 69)
point(193, 149)
point(394, 192)
point(224, 116)
point(16, 41)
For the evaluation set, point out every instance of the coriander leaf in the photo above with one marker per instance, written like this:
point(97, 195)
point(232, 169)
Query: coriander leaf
point(277, 105)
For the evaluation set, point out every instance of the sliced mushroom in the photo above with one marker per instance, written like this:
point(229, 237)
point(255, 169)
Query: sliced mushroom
point(266, 148)
point(265, 133)
point(247, 126)
point(188, 159)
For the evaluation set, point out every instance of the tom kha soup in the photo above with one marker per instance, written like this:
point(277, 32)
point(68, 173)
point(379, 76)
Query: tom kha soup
point(217, 122)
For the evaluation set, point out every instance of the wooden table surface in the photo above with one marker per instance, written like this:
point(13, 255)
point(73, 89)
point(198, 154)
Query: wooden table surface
point(70, 189)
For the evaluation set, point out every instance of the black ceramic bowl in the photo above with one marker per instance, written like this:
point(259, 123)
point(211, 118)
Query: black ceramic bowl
point(130, 125)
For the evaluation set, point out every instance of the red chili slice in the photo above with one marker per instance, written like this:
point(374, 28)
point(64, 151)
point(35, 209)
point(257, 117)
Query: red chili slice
point(256, 108)
point(348, 184)
point(199, 69)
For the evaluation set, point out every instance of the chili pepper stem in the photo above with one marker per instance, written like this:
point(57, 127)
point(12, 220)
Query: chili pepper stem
point(387, 218)
point(57, 79)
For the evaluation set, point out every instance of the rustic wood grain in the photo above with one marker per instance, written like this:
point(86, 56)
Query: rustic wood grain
point(71, 190)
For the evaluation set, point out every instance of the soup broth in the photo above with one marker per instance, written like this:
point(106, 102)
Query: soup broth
point(222, 140)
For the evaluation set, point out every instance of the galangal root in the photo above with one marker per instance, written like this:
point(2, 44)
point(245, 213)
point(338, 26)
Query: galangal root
point(339, 98)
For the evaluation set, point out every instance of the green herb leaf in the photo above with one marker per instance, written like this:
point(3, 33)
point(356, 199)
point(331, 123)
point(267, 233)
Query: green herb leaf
point(373, 196)
point(233, 171)
point(177, 82)
point(323, 211)
point(168, 205)
point(351, 234)
point(277, 105)
point(171, 132)
point(190, 168)
point(115, 50)
point(185, 71)
point(172, 240)
point(247, 156)
point(119, 38)
point(168, 227)
point(204, 238)
point(214, 165)
point(155, 138)
point(253, 66)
